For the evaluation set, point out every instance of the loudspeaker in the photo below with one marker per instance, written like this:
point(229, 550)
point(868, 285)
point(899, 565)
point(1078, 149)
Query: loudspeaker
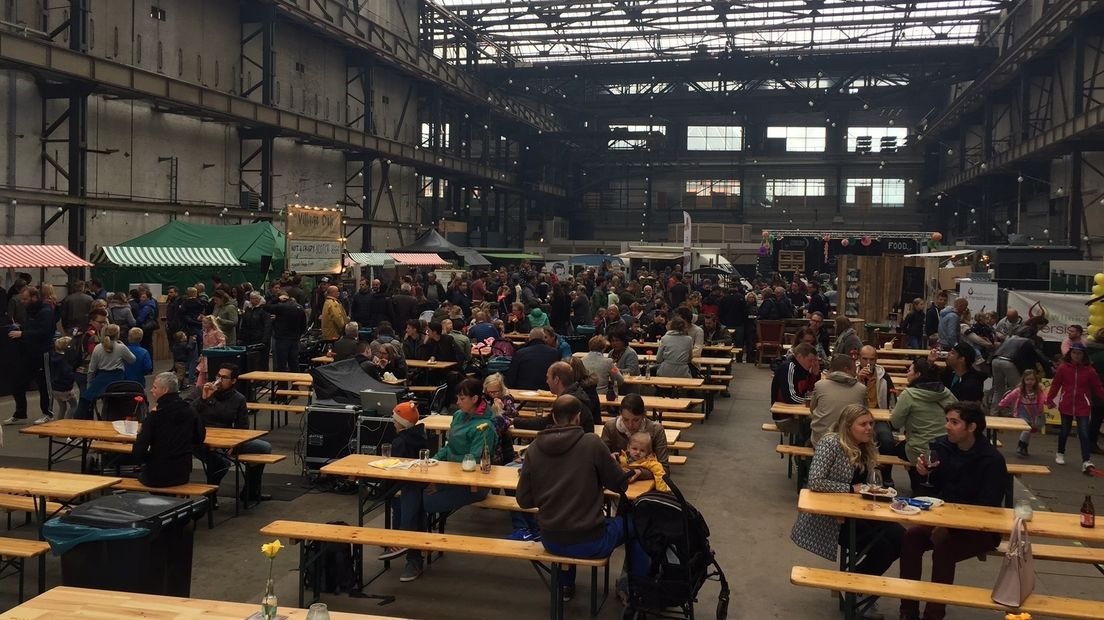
point(331, 433)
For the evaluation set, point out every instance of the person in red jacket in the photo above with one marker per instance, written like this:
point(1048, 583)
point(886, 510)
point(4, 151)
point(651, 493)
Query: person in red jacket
point(1077, 382)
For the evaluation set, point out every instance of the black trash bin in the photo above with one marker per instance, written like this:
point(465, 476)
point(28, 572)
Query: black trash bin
point(239, 356)
point(132, 542)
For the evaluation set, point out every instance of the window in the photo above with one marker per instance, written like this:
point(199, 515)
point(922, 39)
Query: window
point(427, 187)
point(115, 42)
point(714, 138)
point(157, 13)
point(138, 50)
point(443, 135)
point(91, 33)
point(199, 68)
point(160, 56)
point(884, 193)
point(800, 139)
point(635, 89)
point(634, 136)
point(793, 187)
point(716, 187)
point(872, 139)
point(276, 90)
point(179, 62)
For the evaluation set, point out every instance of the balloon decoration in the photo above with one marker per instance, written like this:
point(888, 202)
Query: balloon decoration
point(1096, 309)
point(768, 241)
point(845, 242)
point(866, 241)
point(827, 238)
point(933, 243)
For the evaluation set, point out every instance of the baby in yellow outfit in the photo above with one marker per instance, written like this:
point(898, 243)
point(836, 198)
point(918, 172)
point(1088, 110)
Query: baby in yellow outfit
point(638, 456)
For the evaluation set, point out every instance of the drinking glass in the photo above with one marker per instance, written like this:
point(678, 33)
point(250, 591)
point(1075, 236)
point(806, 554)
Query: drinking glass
point(873, 482)
point(931, 462)
point(1024, 510)
point(385, 450)
point(423, 460)
point(318, 611)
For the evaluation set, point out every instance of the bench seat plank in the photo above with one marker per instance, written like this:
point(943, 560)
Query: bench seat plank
point(111, 446)
point(25, 503)
point(275, 407)
point(261, 459)
point(1059, 553)
point(1016, 469)
point(424, 541)
point(22, 548)
point(294, 393)
point(502, 502)
point(191, 489)
point(962, 596)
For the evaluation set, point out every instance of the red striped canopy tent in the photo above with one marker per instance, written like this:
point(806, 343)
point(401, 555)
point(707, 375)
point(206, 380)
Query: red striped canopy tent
point(38, 257)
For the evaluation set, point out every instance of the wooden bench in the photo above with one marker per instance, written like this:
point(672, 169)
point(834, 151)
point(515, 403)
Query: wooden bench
point(962, 596)
point(502, 502)
point(1060, 553)
point(114, 447)
point(298, 531)
point(677, 446)
point(26, 504)
point(190, 489)
point(682, 416)
point(423, 389)
point(261, 459)
point(294, 393)
point(725, 378)
point(273, 409)
point(675, 459)
point(14, 552)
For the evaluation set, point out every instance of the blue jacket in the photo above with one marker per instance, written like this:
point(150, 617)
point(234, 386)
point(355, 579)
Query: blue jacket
point(563, 347)
point(147, 310)
point(141, 366)
point(948, 328)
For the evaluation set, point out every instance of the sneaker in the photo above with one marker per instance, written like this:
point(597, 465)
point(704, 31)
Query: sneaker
point(1087, 467)
point(523, 533)
point(1060, 458)
point(872, 613)
point(390, 553)
point(44, 419)
point(567, 593)
point(1021, 450)
point(14, 420)
point(412, 571)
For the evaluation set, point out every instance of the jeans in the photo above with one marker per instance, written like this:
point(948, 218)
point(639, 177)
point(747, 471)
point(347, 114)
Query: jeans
point(193, 356)
point(884, 540)
point(1005, 378)
point(285, 355)
point(418, 500)
point(1036, 424)
point(33, 372)
point(86, 407)
point(949, 547)
point(601, 547)
point(1095, 420)
point(887, 445)
point(1082, 435)
point(218, 462)
point(916, 342)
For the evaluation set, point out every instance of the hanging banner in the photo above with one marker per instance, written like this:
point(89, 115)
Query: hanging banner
point(314, 240)
point(686, 225)
point(1060, 309)
point(981, 295)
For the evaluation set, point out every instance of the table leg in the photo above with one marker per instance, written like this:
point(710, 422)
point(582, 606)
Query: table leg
point(556, 604)
point(237, 486)
point(40, 514)
point(849, 597)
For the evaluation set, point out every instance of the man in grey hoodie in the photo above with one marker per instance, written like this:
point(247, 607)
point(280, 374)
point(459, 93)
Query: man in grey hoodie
point(838, 389)
point(563, 476)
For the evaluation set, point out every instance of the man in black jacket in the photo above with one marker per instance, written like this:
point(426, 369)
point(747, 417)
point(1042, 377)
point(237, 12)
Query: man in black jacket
point(379, 306)
point(192, 309)
point(168, 437)
point(288, 327)
point(36, 338)
point(931, 316)
point(360, 306)
point(256, 324)
point(970, 471)
point(403, 305)
point(564, 474)
point(530, 363)
point(561, 381)
point(960, 377)
point(221, 405)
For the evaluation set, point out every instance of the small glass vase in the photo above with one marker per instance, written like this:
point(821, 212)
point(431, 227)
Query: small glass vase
point(269, 602)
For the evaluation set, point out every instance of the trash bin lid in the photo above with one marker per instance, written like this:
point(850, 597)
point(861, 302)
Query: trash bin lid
point(131, 510)
point(231, 351)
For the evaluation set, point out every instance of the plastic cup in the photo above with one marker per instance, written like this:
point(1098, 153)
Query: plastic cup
point(423, 460)
point(385, 450)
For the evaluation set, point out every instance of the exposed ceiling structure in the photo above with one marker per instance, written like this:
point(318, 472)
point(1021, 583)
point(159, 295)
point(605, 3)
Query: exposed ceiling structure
point(626, 30)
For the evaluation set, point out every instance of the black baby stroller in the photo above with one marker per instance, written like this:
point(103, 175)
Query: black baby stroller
point(675, 538)
point(121, 400)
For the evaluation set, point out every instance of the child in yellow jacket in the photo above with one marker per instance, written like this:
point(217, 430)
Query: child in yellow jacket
point(638, 456)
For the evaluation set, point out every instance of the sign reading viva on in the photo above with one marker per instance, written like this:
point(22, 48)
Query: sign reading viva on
point(314, 241)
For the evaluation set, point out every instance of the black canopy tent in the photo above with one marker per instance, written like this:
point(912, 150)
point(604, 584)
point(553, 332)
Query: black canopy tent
point(432, 242)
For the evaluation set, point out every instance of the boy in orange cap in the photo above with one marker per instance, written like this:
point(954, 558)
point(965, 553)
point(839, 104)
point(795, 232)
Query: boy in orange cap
point(410, 440)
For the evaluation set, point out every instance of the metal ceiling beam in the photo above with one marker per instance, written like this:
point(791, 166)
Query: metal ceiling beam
point(1055, 24)
point(107, 76)
point(357, 32)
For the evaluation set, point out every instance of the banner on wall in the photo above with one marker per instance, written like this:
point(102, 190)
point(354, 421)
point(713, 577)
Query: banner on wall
point(981, 295)
point(1060, 309)
point(686, 227)
point(314, 240)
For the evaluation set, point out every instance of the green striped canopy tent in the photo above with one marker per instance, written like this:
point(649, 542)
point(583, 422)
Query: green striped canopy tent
point(119, 266)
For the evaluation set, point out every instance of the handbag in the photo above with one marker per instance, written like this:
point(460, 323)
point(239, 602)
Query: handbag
point(1017, 574)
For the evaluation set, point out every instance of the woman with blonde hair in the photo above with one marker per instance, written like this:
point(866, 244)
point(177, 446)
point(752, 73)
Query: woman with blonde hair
point(212, 337)
point(841, 463)
point(105, 367)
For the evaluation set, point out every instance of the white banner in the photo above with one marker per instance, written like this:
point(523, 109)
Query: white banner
point(1061, 309)
point(314, 242)
point(313, 257)
point(686, 227)
point(981, 295)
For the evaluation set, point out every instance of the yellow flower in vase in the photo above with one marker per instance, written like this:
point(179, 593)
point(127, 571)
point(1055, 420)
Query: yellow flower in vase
point(268, 601)
point(271, 549)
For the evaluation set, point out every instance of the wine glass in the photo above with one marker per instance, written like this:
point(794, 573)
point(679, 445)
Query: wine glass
point(931, 462)
point(874, 483)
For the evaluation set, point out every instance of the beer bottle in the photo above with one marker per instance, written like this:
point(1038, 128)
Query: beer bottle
point(1088, 514)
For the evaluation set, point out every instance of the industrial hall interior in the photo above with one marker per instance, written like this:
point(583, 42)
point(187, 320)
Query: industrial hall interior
point(501, 309)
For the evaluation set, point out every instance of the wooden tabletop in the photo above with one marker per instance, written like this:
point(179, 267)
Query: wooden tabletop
point(895, 352)
point(655, 403)
point(717, 348)
point(431, 365)
point(960, 516)
point(51, 484)
point(698, 361)
point(271, 375)
point(100, 430)
point(664, 382)
point(67, 602)
point(993, 423)
point(322, 359)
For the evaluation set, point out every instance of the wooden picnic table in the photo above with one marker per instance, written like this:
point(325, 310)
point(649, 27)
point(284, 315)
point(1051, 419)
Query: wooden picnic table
point(321, 359)
point(272, 375)
point(852, 507)
point(69, 602)
point(910, 353)
point(426, 364)
point(992, 423)
point(723, 362)
point(358, 467)
point(50, 485)
point(716, 348)
point(655, 403)
point(438, 423)
point(664, 382)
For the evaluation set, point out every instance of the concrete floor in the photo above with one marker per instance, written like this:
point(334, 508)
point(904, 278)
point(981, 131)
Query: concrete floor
point(733, 477)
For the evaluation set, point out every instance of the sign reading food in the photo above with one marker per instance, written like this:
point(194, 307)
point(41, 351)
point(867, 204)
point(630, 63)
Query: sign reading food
point(314, 239)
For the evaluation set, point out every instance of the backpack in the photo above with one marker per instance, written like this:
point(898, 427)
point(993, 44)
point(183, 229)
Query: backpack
point(333, 567)
point(675, 538)
point(503, 348)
